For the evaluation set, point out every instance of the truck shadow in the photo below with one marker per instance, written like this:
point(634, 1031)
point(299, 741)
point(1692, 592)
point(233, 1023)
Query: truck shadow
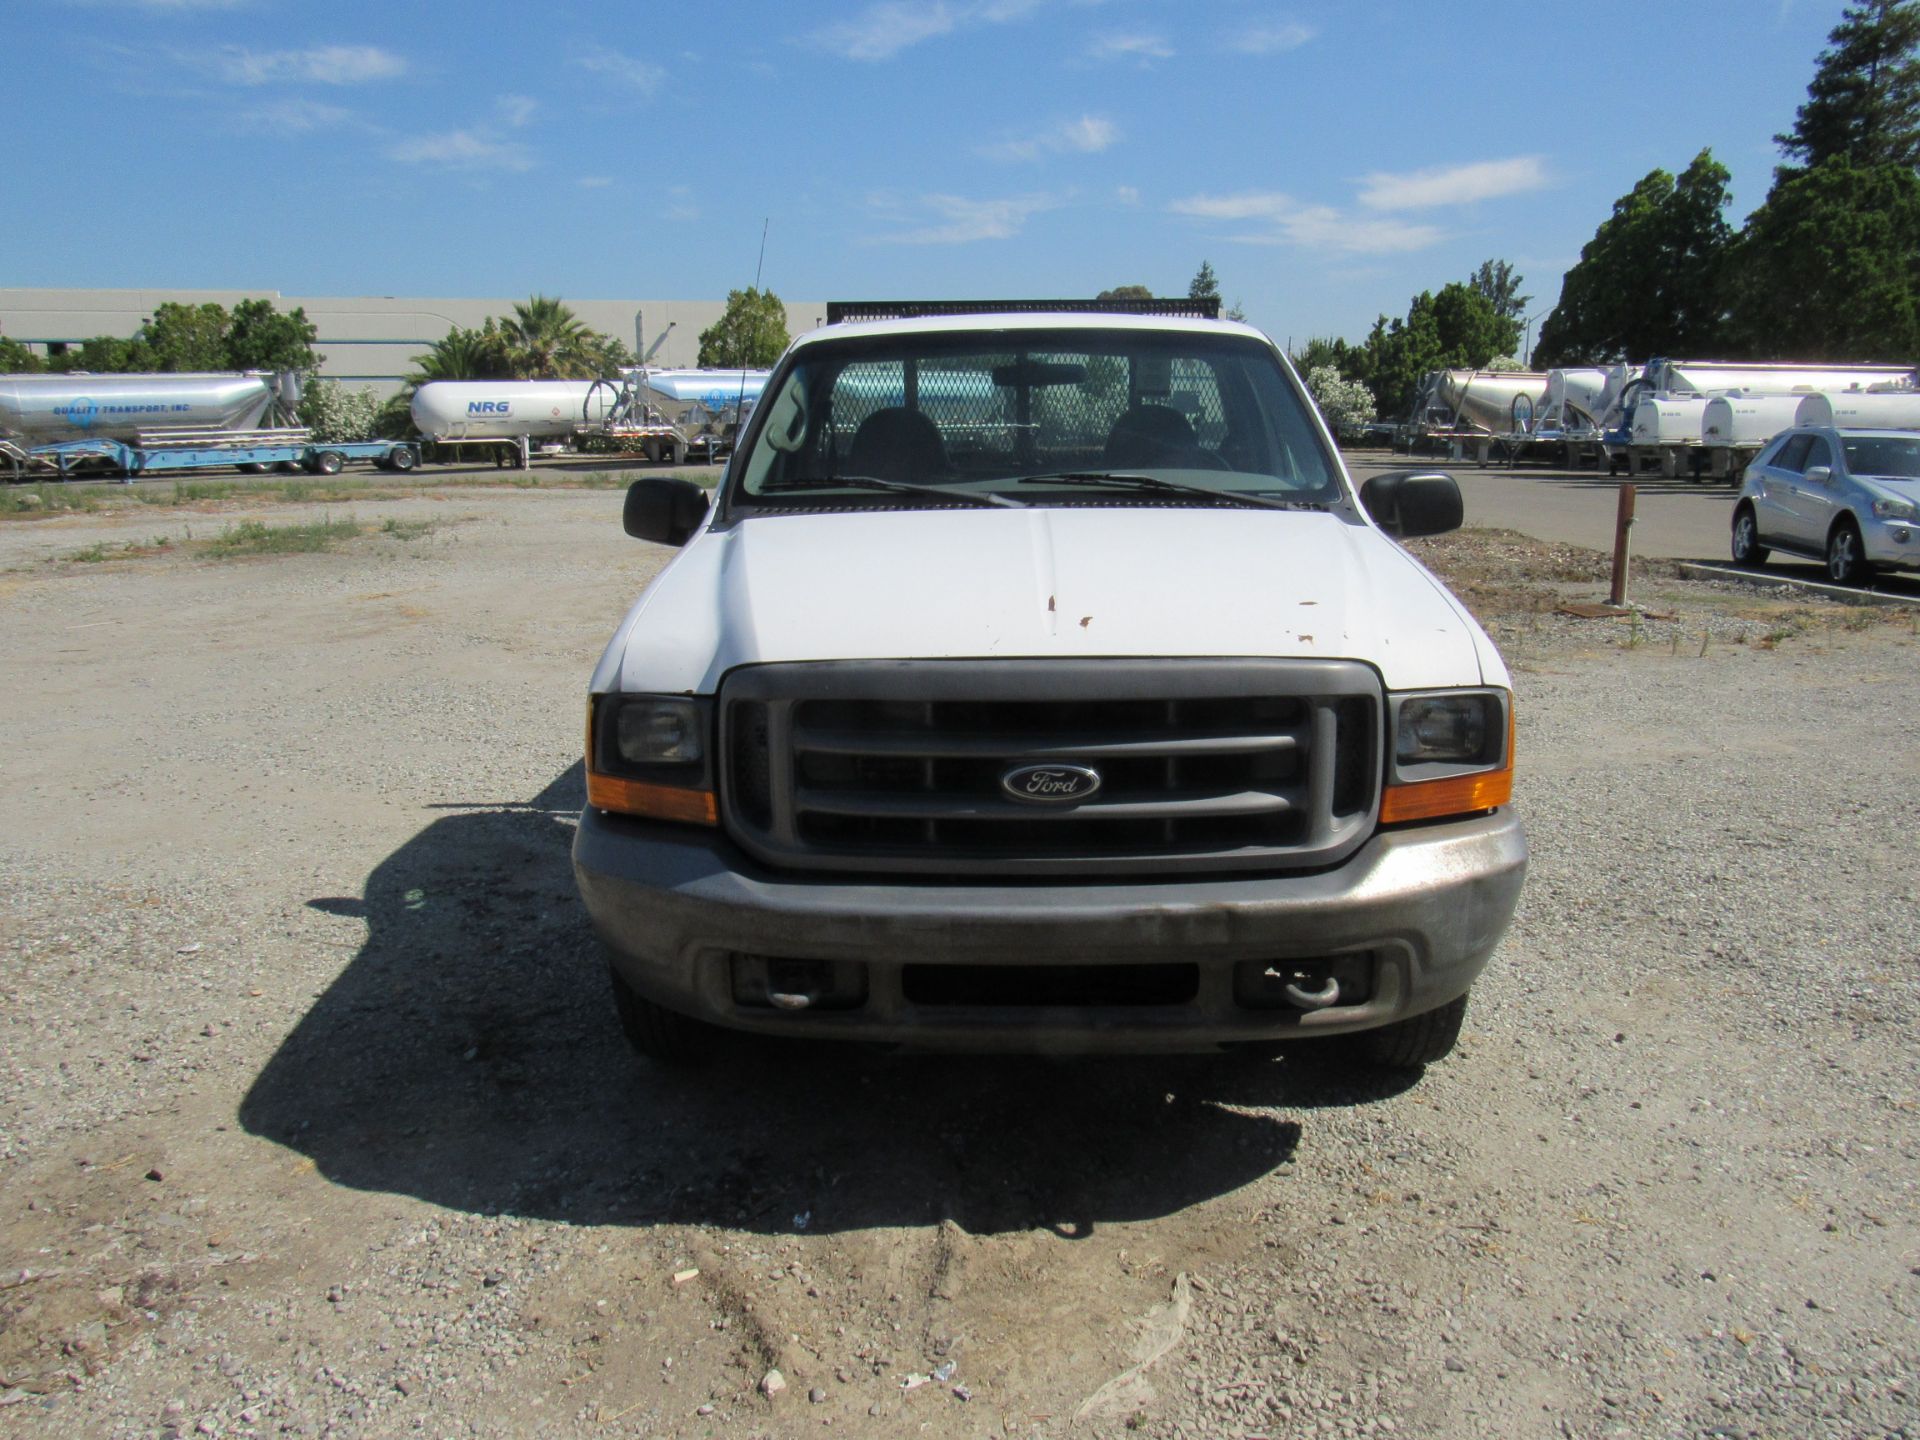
point(468, 1056)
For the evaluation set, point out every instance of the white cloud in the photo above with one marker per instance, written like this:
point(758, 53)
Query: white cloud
point(595, 182)
point(956, 220)
point(624, 69)
point(883, 30)
point(463, 150)
point(1131, 45)
point(321, 65)
point(516, 111)
point(296, 116)
point(1282, 220)
point(1126, 194)
point(1087, 135)
point(681, 205)
point(1272, 39)
point(1453, 184)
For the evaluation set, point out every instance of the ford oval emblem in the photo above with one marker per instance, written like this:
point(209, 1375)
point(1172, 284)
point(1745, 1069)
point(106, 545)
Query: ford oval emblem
point(1051, 784)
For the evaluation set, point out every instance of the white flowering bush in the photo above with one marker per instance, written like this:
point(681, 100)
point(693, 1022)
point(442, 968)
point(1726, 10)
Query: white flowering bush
point(1347, 404)
point(338, 415)
point(1503, 364)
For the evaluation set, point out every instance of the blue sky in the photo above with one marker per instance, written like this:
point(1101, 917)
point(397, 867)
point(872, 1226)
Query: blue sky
point(1329, 159)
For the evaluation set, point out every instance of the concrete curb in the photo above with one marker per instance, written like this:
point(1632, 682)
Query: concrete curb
point(1763, 580)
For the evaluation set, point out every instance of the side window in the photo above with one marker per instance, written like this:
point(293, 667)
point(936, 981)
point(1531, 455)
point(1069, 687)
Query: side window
point(1818, 453)
point(1792, 457)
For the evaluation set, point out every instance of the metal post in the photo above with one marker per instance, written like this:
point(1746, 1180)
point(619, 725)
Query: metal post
point(1622, 524)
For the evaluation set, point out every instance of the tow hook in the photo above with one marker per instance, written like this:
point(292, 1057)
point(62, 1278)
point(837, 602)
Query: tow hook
point(1297, 992)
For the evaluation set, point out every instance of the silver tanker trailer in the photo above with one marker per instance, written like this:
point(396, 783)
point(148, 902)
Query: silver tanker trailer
point(671, 414)
point(1477, 409)
point(1871, 410)
point(1734, 427)
point(1663, 437)
point(48, 409)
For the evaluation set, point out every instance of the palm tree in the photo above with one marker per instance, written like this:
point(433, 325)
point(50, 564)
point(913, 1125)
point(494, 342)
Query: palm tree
point(464, 355)
point(545, 340)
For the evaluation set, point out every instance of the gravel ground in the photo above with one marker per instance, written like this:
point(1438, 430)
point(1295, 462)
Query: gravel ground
point(314, 1119)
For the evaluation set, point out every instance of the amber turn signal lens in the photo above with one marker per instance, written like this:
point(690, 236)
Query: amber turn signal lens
point(1455, 795)
point(654, 802)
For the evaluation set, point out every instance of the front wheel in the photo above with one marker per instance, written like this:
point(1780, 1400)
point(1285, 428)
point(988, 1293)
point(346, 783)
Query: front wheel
point(402, 458)
point(1747, 549)
point(1847, 556)
point(328, 462)
point(1416, 1042)
point(657, 1032)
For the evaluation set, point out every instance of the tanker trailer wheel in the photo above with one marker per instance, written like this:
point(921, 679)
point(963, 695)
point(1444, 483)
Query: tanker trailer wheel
point(1416, 1042)
point(1747, 549)
point(329, 462)
point(402, 458)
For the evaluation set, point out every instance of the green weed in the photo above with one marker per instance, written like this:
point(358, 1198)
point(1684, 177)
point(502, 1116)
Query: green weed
point(256, 537)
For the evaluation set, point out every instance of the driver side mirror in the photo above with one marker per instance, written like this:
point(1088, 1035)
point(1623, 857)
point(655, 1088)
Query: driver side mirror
point(666, 512)
point(1408, 503)
point(1819, 475)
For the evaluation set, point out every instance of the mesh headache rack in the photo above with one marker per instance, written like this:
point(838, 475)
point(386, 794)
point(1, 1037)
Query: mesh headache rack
point(843, 310)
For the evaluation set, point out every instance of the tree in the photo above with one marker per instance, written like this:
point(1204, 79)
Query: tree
point(1495, 280)
point(109, 355)
point(1829, 266)
point(1652, 281)
point(1863, 104)
point(544, 339)
point(187, 337)
point(1346, 404)
point(750, 334)
point(260, 337)
point(1456, 329)
point(464, 355)
point(338, 415)
point(1328, 350)
point(1205, 285)
point(1125, 292)
point(17, 359)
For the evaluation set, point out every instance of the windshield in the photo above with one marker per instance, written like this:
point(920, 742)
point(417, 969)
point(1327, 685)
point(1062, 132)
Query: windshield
point(1043, 416)
point(1889, 456)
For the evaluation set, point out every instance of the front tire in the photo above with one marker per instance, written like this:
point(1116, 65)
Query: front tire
point(1847, 556)
point(1747, 549)
point(402, 458)
point(658, 1033)
point(1416, 1042)
point(329, 462)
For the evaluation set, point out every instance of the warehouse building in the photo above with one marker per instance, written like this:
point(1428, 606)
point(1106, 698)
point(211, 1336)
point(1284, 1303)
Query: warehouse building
point(370, 340)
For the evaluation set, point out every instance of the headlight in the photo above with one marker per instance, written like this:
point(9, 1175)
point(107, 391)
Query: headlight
point(1893, 510)
point(648, 755)
point(1452, 754)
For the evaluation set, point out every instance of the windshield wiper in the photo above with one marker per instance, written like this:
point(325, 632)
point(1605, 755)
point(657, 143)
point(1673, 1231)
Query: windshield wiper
point(1166, 487)
point(898, 487)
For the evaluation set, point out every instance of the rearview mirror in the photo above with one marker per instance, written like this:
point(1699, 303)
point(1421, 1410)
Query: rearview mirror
point(1407, 503)
point(1819, 474)
point(664, 511)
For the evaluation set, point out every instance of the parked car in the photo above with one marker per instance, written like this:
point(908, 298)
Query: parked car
point(1041, 681)
point(1850, 498)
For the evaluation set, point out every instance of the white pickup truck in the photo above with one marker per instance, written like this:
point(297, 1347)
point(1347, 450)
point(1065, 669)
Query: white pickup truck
point(1040, 681)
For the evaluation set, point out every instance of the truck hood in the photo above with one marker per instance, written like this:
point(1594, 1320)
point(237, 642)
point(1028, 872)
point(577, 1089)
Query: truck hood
point(1043, 582)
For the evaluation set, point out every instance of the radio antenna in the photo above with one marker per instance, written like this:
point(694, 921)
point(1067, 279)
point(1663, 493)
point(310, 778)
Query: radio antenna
point(740, 399)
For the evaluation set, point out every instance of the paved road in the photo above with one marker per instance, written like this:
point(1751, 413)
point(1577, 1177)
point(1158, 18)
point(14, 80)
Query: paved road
point(1674, 519)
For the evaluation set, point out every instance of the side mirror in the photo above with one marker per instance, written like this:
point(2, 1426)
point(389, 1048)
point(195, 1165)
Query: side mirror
point(1407, 503)
point(666, 512)
point(1819, 475)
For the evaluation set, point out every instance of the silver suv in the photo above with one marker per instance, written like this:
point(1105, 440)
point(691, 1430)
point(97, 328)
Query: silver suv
point(1848, 497)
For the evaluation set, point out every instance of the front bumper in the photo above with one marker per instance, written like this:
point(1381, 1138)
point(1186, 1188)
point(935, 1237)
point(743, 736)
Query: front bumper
point(1892, 544)
point(1426, 905)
